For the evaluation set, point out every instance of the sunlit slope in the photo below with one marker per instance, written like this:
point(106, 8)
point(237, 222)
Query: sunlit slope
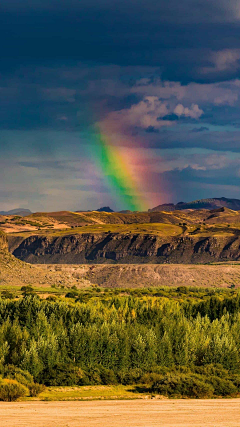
point(66, 220)
point(159, 237)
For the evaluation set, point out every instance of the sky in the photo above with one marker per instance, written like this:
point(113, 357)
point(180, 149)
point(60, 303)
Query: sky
point(120, 103)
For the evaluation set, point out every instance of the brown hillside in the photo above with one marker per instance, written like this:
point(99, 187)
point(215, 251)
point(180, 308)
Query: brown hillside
point(14, 272)
point(195, 236)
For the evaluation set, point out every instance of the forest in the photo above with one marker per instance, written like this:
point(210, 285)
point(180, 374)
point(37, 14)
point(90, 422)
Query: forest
point(177, 342)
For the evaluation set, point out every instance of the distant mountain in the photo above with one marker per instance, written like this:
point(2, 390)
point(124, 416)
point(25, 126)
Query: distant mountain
point(18, 211)
point(105, 209)
point(213, 203)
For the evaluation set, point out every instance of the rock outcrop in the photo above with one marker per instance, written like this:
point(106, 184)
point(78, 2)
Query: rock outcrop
point(126, 248)
point(3, 242)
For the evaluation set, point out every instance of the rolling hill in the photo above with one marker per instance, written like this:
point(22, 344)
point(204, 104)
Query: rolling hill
point(196, 236)
point(18, 211)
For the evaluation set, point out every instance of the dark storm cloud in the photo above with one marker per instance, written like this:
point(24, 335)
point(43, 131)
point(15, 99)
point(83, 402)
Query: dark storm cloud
point(165, 73)
point(221, 140)
point(199, 11)
point(179, 37)
point(191, 184)
point(201, 129)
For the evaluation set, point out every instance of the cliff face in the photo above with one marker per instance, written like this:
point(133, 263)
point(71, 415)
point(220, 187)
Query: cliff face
point(126, 248)
point(3, 242)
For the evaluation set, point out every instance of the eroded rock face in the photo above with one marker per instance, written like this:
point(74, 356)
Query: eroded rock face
point(126, 249)
point(3, 242)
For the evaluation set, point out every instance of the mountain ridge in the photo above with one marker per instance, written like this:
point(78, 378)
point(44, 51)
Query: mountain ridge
point(17, 211)
point(209, 203)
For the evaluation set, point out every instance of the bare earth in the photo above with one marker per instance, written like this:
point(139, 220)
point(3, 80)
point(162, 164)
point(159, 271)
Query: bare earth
point(161, 413)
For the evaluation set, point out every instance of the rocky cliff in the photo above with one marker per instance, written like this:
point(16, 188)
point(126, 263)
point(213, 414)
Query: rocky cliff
point(126, 248)
point(3, 242)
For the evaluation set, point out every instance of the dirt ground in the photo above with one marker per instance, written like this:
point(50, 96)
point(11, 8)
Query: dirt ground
point(161, 413)
point(14, 272)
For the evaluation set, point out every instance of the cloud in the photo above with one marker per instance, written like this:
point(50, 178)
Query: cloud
point(146, 70)
point(59, 94)
point(48, 32)
point(201, 11)
point(217, 138)
point(201, 129)
point(222, 62)
point(226, 93)
point(152, 129)
point(194, 111)
point(149, 114)
point(157, 87)
point(205, 160)
point(226, 59)
point(145, 114)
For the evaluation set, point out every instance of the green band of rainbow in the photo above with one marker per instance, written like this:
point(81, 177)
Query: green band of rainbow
point(117, 171)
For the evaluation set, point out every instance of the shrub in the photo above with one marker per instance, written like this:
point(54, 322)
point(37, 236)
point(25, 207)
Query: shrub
point(52, 298)
point(222, 387)
point(63, 375)
point(15, 373)
point(27, 290)
point(182, 289)
point(81, 377)
point(7, 295)
point(150, 378)
point(182, 385)
point(130, 376)
point(235, 380)
point(72, 294)
point(210, 369)
point(11, 390)
point(94, 375)
point(107, 376)
point(35, 389)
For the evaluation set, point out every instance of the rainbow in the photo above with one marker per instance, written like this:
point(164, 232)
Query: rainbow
point(115, 164)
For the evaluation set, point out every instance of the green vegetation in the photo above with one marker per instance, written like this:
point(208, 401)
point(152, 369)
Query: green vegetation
point(16, 383)
point(94, 392)
point(11, 390)
point(185, 385)
point(175, 342)
point(154, 229)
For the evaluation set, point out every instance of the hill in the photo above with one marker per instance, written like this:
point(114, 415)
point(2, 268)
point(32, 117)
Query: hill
point(66, 219)
point(213, 203)
point(105, 209)
point(18, 211)
point(181, 236)
point(15, 273)
point(198, 236)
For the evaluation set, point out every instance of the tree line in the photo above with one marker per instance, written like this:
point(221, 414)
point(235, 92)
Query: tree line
point(121, 339)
